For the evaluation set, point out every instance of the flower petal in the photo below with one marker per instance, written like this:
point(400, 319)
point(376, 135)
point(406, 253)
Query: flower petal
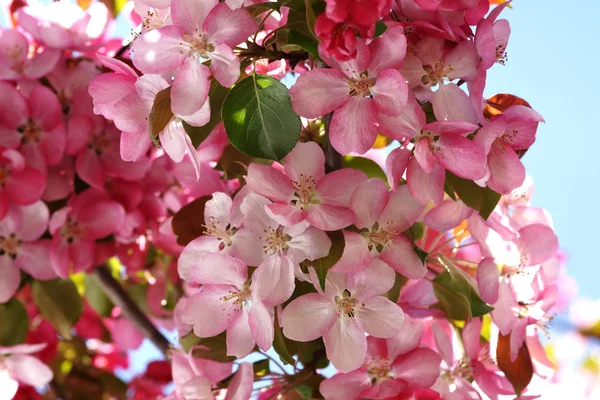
point(345, 344)
point(354, 126)
point(319, 92)
point(380, 317)
point(401, 256)
point(308, 317)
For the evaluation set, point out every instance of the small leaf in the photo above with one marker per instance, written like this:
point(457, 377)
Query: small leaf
point(213, 348)
point(481, 199)
point(416, 231)
point(256, 9)
point(216, 97)
point(394, 293)
point(311, 17)
point(259, 118)
point(498, 103)
point(369, 167)
point(261, 367)
point(520, 372)
point(59, 302)
point(279, 344)
point(188, 223)
point(308, 44)
point(304, 391)
point(421, 253)
point(160, 115)
point(96, 298)
point(14, 323)
point(322, 265)
point(380, 28)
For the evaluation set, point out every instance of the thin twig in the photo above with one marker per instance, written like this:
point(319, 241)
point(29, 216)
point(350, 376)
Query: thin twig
point(274, 361)
point(130, 310)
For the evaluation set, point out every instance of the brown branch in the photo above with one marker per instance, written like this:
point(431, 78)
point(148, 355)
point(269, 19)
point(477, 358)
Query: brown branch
point(130, 310)
point(333, 159)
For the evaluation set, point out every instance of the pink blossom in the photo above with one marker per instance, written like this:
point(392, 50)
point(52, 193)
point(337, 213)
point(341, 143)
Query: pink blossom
point(19, 366)
point(305, 192)
point(17, 61)
point(358, 92)
point(381, 217)
point(350, 306)
point(19, 184)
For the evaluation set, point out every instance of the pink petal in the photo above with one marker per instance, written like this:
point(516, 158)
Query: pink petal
point(102, 218)
point(33, 259)
point(134, 145)
point(420, 367)
point(381, 317)
point(209, 314)
point(308, 317)
point(368, 201)
point(160, 50)
point(423, 186)
point(345, 386)
point(390, 92)
point(470, 335)
point(35, 221)
point(385, 389)
point(388, 50)
point(354, 126)
point(375, 279)
point(173, 142)
point(537, 243)
point(231, 27)
point(461, 156)
point(318, 92)
point(447, 215)
point(269, 182)
point(488, 280)
point(90, 169)
point(336, 188)
point(506, 169)
point(286, 214)
point(450, 103)
point(443, 343)
point(273, 280)
point(424, 156)
point(28, 370)
point(211, 268)
point(11, 278)
point(401, 211)
point(463, 60)
point(409, 338)
point(190, 14)
point(356, 253)
point(261, 326)
point(225, 65)
point(240, 341)
point(345, 344)
point(24, 187)
point(125, 335)
point(395, 165)
point(305, 161)
point(240, 387)
point(190, 88)
point(407, 124)
point(311, 244)
point(329, 218)
point(401, 256)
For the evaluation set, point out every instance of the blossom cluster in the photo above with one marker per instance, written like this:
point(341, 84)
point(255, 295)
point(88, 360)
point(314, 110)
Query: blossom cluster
point(418, 271)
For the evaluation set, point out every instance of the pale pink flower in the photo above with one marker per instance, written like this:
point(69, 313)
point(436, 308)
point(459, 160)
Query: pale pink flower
point(350, 307)
point(17, 61)
point(358, 92)
point(21, 247)
point(381, 217)
point(19, 184)
point(304, 192)
point(229, 301)
point(391, 366)
point(17, 365)
point(201, 30)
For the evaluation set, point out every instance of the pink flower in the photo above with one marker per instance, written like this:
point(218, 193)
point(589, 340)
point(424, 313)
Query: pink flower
point(16, 61)
point(338, 40)
point(201, 30)
point(20, 247)
point(381, 217)
point(358, 92)
point(304, 192)
point(438, 146)
point(350, 306)
point(88, 216)
point(229, 301)
point(390, 366)
point(19, 184)
point(18, 366)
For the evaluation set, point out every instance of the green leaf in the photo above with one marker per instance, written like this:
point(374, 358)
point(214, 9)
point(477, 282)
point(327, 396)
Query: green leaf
point(213, 348)
point(421, 253)
point(96, 298)
point(14, 323)
point(457, 296)
point(188, 223)
point(484, 200)
point(311, 17)
point(160, 115)
point(216, 98)
point(256, 9)
point(308, 44)
point(59, 302)
point(261, 367)
point(369, 167)
point(279, 344)
point(322, 265)
point(380, 28)
point(259, 118)
point(394, 293)
point(415, 232)
point(188, 341)
point(304, 391)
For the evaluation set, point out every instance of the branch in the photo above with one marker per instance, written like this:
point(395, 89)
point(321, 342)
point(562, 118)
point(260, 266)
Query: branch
point(130, 310)
point(333, 159)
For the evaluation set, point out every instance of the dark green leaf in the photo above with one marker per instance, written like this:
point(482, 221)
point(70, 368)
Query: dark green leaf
point(59, 302)
point(369, 167)
point(311, 17)
point(213, 348)
point(306, 43)
point(261, 367)
point(415, 232)
point(322, 265)
point(216, 98)
point(490, 200)
point(96, 298)
point(380, 28)
point(188, 341)
point(519, 372)
point(160, 115)
point(484, 200)
point(259, 118)
point(14, 323)
point(394, 293)
point(421, 253)
point(304, 391)
point(256, 9)
point(279, 344)
point(188, 223)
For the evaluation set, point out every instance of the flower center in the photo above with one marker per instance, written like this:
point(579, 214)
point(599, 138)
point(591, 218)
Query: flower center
point(240, 298)
point(71, 230)
point(435, 74)
point(276, 240)
point(152, 20)
point(9, 246)
point(31, 131)
point(346, 305)
point(378, 370)
point(361, 86)
point(4, 174)
point(501, 55)
point(198, 47)
point(462, 369)
point(223, 234)
point(305, 191)
point(99, 143)
point(380, 237)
